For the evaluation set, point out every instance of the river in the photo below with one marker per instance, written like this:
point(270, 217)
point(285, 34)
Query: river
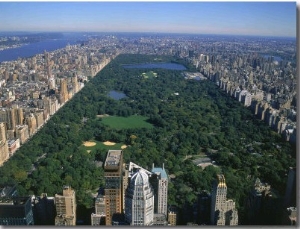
point(37, 48)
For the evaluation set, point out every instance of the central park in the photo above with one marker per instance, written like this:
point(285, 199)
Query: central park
point(164, 118)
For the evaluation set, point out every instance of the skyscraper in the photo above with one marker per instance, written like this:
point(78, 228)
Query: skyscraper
point(64, 95)
point(22, 133)
point(98, 218)
point(30, 120)
point(223, 211)
point(290, 192)
point(65, 205)
point(16, 211)
point(4, 154)
point(113, 184)
point(47, 65)
point(2, 131)
point(139, 200)
point(160, 185)
point(75, 83)
point(19, 116)
point(43, 209)
point(8, 116)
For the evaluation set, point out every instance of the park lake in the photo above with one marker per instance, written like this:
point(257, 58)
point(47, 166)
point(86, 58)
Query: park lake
point(117, 95)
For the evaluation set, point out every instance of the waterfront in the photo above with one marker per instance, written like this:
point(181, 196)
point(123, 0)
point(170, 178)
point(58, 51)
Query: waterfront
point(32, 49)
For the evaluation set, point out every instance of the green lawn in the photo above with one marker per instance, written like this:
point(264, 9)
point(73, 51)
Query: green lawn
point(150, 74)
point(134, 121)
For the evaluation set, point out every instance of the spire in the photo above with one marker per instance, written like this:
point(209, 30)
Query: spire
point(152, 165)
point(163, 166)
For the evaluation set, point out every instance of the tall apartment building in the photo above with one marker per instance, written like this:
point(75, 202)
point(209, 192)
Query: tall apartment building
point(223, 211)
point(4, 153)
point(139, 200)
point(290, 192)
point(43, 209)
point(8, 116)
point(65, 205)
point(113, 184)
point(47, 65)
point(98, 218)
point(263, 205)
point(19, 116)
point(39, 118)
point(22, 133)
point(16, 211)
point(13, 145)
point(75, 83)
point(160, 184)
point(30, 120)
point(128, 171)
point(64, 95)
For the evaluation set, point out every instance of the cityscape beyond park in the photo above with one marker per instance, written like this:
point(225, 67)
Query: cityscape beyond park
point(148, 113)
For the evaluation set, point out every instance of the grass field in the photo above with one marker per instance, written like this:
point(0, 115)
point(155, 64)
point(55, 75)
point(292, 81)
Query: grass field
point(150, 74)
point(134, 121)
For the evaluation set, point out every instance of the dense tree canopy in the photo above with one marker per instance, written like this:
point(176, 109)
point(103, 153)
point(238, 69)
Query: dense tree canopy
point(191, 118)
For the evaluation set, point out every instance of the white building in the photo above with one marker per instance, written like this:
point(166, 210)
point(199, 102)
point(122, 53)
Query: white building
point(139, 200)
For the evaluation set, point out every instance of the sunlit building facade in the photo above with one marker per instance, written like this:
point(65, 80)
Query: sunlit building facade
point(223, 211)
point(139, 200)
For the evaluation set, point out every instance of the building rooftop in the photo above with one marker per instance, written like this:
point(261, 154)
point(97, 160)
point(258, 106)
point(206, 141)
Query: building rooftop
point(161, 171)
point(140, 178)
point(221, 180)
point(113, 158)
point(14, 200)
point(132, 168)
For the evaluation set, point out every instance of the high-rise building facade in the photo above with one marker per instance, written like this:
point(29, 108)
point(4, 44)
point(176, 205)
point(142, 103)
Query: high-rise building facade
point(22, 133)
point(16, 211)
point(19, 116)
point(263, 205)
point(8, 116)
point(65, 205)
point(139, 200)
point(75, 83)
point(113, 184)
point(4, 153)
point(160, 185)
point(64, 95)
point(290, 192)
point(30, 120)
point(43, 209)
point(223, 211)
point(98, 218)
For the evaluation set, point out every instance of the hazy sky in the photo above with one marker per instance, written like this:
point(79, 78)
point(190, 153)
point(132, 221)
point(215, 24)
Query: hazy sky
point(238, 18)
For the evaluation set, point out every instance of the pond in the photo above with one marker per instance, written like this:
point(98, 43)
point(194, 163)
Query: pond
point(117, 95)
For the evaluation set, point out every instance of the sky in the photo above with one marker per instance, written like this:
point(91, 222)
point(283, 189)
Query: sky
point(232, 18)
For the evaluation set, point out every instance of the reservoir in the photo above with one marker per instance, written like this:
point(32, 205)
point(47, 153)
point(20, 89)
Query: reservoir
point(168, 66)
point(116, 95)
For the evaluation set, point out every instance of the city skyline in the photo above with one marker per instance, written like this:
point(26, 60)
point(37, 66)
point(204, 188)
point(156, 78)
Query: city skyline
point(230, 18)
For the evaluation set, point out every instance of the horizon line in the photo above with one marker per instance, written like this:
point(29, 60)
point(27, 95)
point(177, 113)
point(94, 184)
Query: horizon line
point(143, 32)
